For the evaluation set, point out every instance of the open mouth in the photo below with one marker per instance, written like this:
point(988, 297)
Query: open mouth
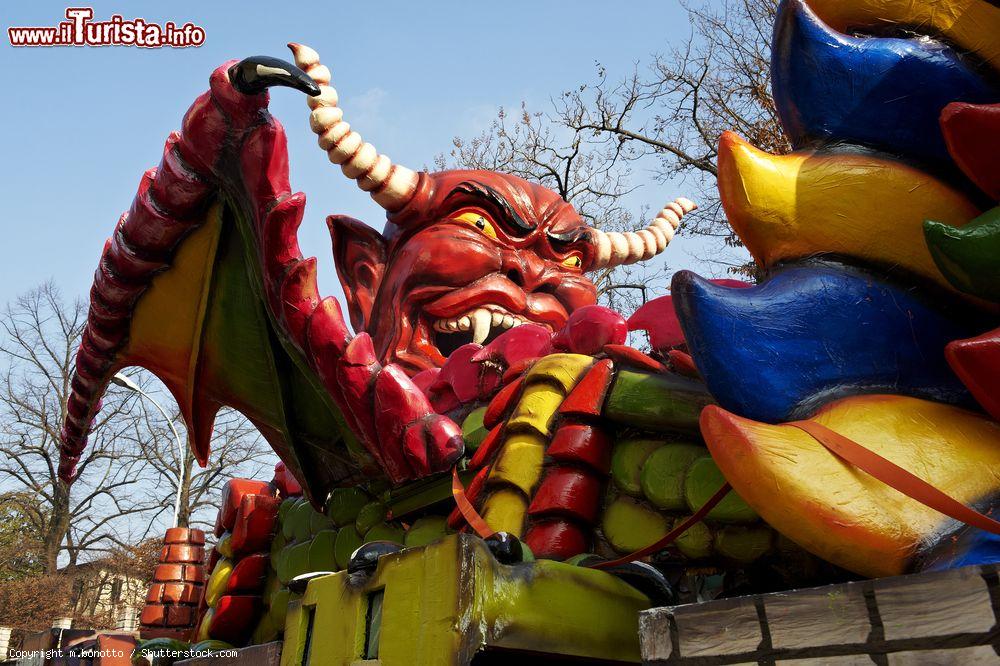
point(481, 325)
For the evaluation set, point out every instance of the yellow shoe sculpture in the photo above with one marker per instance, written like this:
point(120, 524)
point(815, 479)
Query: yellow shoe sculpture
point(856, 205)
point(841, 513)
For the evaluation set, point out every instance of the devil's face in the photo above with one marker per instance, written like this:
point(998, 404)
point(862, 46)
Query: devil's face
point(474, 254)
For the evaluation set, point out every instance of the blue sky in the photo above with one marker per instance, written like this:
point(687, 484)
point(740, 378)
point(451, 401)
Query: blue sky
point(80, 125)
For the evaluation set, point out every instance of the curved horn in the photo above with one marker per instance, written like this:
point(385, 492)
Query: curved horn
point(390, 185)
point(617, 249)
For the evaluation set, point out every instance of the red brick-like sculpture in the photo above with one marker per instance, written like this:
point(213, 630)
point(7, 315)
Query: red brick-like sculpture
point(231, 607)
point(173, 596)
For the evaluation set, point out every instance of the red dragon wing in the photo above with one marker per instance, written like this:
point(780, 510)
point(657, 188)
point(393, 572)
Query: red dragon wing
point(203, 284)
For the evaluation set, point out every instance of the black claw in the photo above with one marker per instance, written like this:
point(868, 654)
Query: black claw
point(505, 547)
point(365, 559)
point(254, 75)
point(648, 580)
point(299, 584)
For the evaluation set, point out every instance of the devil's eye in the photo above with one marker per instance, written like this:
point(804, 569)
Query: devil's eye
point(573, 262)
point(478, 220)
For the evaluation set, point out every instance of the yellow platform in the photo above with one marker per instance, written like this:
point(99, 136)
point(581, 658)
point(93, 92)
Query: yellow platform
point(452, 603)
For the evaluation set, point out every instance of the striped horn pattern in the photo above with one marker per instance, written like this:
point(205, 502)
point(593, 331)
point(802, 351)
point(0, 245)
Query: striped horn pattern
point(614, 248)
point(390, 185)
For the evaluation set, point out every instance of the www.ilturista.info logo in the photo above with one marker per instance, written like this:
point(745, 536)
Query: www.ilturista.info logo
point(81, 30)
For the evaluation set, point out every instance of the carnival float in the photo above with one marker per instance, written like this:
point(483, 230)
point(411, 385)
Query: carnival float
point(480, 465)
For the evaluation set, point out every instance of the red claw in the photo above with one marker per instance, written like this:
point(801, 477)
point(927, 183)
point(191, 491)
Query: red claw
point(474, 372)
point(444, 442)
point(433, 444)
point(659, 319)
point(410, 434)
point(522, 342)
point(590, 328)
point(425, 379)
point(461, 374)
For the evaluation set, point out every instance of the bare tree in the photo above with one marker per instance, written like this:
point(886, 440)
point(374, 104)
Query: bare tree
point(40, 337)
point(594, 178)
point(70, 550)
point(667, 116)
point(238, 450)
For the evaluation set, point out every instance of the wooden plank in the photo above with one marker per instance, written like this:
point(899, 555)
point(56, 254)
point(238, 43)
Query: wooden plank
point(950, 602)
point(943, 617)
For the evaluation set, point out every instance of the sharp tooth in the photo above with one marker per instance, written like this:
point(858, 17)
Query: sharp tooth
point(517, 322)
point(481, 325)
point(497, 318)
point(439, 326)
point(508, 321)
point(464, 323)
point(453, 325)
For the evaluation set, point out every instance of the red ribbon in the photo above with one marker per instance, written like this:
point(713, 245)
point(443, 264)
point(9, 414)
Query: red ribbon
point(672, 535)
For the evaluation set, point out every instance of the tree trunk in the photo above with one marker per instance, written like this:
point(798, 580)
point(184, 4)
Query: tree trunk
point(184, 515)
point(57, 527)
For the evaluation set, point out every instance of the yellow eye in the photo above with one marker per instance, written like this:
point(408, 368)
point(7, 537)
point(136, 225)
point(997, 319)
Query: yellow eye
point(573, 262)
point(479, 221)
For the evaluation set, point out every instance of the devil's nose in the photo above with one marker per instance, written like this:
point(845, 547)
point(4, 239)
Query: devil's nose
point(527, 272)
point(515, 276)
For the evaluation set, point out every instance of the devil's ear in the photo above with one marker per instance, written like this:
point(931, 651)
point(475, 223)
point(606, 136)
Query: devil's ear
point(359, 254)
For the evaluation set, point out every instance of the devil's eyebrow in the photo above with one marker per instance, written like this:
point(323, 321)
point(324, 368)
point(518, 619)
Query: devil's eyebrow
point(562, 241)
point(495, 201)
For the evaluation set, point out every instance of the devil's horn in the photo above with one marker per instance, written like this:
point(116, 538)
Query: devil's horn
point(617, 249)
point(390, 185)
point(254, 75)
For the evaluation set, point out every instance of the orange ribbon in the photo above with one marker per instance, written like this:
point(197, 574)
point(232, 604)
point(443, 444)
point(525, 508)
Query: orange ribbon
point(472, 517)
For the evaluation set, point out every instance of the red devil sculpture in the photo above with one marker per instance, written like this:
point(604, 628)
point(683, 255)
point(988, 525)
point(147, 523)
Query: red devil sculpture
point(465, 256)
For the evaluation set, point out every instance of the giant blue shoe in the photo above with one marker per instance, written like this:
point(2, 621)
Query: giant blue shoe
point(881, 92)
point(815, 332)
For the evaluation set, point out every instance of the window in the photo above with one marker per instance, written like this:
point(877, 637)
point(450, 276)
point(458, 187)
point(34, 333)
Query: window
point(373, 624)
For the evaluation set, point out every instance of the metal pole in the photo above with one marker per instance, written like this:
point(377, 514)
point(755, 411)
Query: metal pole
point(123, 381)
